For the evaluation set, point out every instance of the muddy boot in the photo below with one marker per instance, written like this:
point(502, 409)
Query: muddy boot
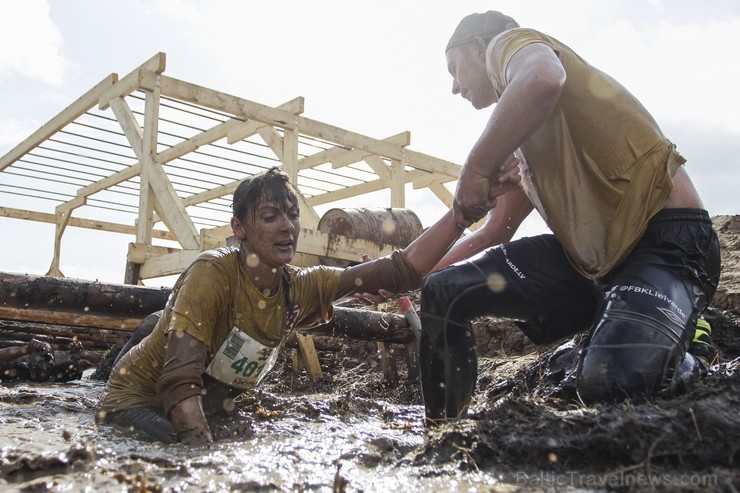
point(634, 350)
point(687, 374)
point(701, 347)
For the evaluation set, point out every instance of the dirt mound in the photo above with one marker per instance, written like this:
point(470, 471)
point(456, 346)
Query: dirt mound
point(728, 292)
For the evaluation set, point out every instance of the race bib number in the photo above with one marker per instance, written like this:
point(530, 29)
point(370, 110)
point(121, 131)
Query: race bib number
point(241, 361)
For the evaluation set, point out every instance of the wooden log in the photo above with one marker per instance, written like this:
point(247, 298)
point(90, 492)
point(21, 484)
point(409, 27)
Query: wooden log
point(365, 325)
point(322, 343)
point(69, 318)
point(90, 338)
point(24, 291)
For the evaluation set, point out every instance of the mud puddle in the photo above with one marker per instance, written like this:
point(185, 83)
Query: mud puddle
point(318, 442)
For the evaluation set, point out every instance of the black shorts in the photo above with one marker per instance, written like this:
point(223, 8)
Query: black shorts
point(552, 300)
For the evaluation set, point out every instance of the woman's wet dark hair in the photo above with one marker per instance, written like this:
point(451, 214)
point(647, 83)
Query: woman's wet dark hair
point(272, 185)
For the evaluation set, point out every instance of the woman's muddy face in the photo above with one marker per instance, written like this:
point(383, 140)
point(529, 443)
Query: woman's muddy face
point(272, 233)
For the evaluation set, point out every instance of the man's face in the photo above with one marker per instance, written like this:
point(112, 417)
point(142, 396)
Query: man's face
point(467, 65)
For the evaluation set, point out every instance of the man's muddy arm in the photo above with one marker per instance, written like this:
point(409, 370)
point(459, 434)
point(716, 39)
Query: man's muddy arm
point(536, 79)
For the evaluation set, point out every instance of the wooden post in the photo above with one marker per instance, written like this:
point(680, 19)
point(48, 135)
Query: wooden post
point(309, 356)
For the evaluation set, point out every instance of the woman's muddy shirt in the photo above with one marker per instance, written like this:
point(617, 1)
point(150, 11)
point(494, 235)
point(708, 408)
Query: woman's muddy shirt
point(210, 298)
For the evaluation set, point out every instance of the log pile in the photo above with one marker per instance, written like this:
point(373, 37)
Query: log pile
point(103, 315)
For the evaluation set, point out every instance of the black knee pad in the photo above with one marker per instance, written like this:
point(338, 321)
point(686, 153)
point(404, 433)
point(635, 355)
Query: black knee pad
point(642, 336)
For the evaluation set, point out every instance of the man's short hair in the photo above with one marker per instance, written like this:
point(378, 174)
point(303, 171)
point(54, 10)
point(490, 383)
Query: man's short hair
point(487, 25)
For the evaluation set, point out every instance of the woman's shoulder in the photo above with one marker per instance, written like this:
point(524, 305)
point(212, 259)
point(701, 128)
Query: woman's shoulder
point(223, 260)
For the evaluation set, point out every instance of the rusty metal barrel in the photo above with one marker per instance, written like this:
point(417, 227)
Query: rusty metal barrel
point(397, 227)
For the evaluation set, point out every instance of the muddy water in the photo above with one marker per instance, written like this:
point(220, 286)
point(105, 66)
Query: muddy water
point(49, 442)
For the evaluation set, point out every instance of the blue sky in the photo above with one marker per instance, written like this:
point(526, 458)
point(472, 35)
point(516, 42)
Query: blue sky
point(376, 68)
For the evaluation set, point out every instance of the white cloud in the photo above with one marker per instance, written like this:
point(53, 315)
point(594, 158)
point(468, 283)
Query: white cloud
point(31, 42)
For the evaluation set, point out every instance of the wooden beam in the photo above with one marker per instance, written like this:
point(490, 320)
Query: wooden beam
point(378, 165)
point(442, 193)
point(342, 156)
point(168, 264)
point(227, 103)
point(348, 138)
point(108, 227)
point(397, 184)
point(67, 115)
point(249, 128)
point(145, 218)
point(362, 188)
point(310, 358)
point(132, 81)
point(273, 140)
point(131, 128)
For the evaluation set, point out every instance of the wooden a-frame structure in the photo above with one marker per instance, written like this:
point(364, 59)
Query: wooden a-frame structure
point(158, 158)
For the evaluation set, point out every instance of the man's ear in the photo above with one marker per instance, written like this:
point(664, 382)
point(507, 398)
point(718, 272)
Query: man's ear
point(238, 229)
point(479, 46)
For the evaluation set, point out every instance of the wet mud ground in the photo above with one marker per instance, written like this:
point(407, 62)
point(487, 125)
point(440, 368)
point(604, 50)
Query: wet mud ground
point(352, 430)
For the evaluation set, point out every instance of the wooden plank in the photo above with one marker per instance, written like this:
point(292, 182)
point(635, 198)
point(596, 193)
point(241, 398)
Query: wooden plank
point(442, 193)
point(249, 128)
point(250, 110)
point(206, 137)
point(70, 113)
point(309, 356)
point(273, 140)
point(397, 184)
point(109, 227)
point(172, 211)
point(131, 128)
point(167, 265)
point(348, 138)
point(227, 103)
point(342, 156)
point(309, 217)
point(145, 219)
point(426, 162)
point(132, 81)
point(429, 179)
point(360, 189)
point(378, 165)
point(140, 252)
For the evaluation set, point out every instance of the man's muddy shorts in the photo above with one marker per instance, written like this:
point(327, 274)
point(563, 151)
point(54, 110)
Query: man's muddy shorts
point(552, 300)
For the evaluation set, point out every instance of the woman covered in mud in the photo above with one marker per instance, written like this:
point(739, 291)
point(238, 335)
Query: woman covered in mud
point(229, 311)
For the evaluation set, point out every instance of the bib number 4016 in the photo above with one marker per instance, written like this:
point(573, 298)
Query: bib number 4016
point(247, 368)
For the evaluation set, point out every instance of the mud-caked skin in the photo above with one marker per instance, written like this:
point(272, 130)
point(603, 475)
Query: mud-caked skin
point(642, 317)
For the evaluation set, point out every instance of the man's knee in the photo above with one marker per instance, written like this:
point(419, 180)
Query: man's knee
point(630, 354)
